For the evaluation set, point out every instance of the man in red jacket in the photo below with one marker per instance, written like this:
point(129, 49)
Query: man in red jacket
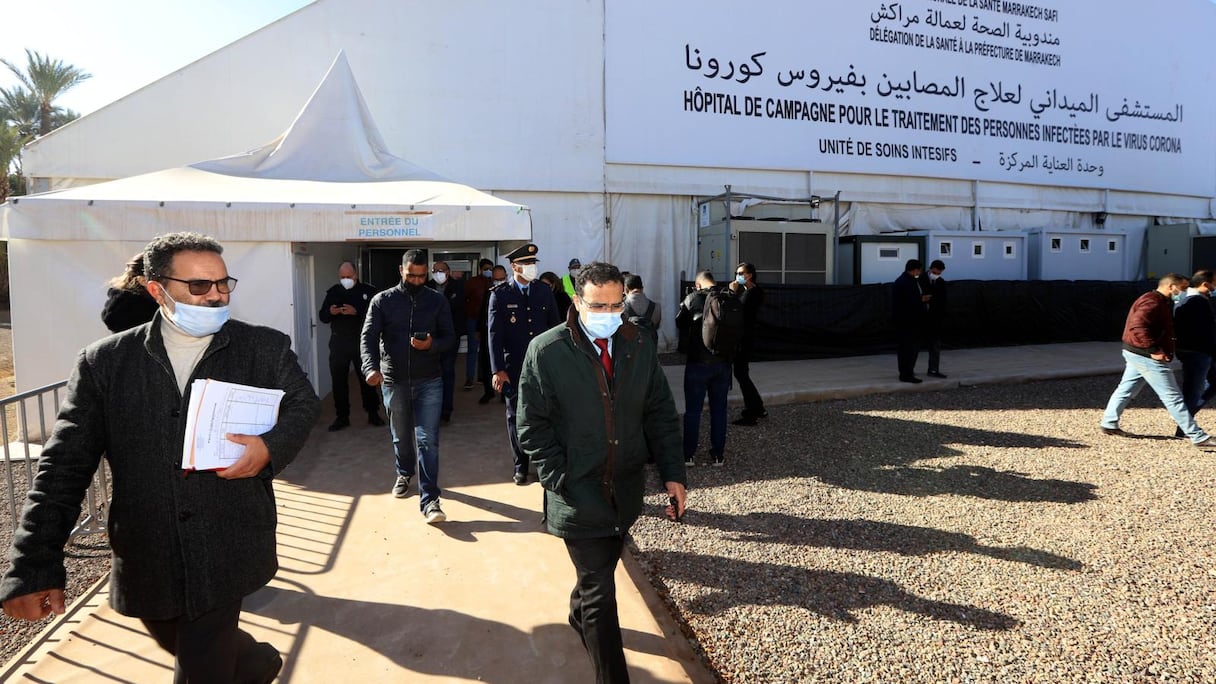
point(1148, 348)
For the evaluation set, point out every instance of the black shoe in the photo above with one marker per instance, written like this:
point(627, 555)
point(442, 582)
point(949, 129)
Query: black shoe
point(910, 378)
point(936, 374)
point(690, 461)
point(468, 385)
point(486, 398)
point(259, 665)
point(1114, 432)
point(755, 414)
point(520, 478)
point(401, 488)
point(375, 419)
point(717, 459)
point(1178, 434)
point(447, 418)
point(745, 420)
point(339, 424)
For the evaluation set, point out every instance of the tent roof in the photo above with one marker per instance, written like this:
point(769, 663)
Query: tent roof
point(328, 177)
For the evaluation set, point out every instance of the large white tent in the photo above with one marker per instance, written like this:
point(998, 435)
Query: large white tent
point(327, 181)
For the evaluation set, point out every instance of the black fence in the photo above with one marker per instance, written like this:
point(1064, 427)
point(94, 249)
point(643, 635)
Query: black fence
point(824, 321)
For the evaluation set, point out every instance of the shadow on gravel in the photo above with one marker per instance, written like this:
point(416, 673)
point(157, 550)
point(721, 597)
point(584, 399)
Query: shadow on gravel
point(866, 535)
point(887, 455)
point(836, 595)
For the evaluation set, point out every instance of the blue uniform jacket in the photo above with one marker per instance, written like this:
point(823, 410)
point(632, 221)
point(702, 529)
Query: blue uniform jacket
point(515, 320)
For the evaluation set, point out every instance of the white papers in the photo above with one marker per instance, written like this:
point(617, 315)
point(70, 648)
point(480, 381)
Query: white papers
point(219, 408)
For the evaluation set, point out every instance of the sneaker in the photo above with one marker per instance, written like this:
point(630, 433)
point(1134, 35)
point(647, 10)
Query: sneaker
point(689, 461)
point(936, 374)
point(433, 513)
point(1208, 444)
point(717, 459)
point(910, 378)
point(402, 488)
point(375, 419)
point(520, 478)
point(745, 420)
point(1113, 432)
point(339, 424)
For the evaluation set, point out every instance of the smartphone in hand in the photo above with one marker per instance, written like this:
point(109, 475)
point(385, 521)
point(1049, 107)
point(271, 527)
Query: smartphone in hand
point(421, 335)
point(675, 507)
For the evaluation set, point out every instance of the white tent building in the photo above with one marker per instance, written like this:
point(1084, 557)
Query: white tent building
point(325, 185)
point(610, 118)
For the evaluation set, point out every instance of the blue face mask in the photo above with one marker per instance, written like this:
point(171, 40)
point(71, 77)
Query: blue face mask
point(487, 273)
point(602, 325)
point(197, 321)
point(742, 280)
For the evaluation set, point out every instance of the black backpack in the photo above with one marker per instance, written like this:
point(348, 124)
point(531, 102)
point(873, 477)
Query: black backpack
point(722, 322)
point(643, 321)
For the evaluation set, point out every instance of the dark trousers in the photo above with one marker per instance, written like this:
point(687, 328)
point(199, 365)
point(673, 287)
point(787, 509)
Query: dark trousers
point(753, 405)
point(1195, 367)
point(511, 394)
point(211, 648)
point(447, 364)
point(593, 605)
point(701, 379)
point(483, 366)
point(933, 342)
point(908, 343)
point(341, 357)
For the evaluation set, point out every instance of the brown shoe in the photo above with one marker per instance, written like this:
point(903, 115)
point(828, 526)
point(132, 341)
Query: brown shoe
point(1114, 432)
point(1208, 444)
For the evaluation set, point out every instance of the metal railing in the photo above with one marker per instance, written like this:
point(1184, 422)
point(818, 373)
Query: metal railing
point(22, 448)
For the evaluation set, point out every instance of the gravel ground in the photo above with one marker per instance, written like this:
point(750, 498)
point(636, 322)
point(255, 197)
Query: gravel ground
point(984, 534)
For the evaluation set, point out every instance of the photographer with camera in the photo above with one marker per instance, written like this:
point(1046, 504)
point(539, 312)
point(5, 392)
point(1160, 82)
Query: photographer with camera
point(413, 325)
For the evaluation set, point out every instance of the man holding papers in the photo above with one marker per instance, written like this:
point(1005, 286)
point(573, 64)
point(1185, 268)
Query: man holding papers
point(188, 544)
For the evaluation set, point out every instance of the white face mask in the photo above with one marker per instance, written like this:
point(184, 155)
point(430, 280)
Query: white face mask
point(933, 276)
point(500, 282)
point(440, 277)
point(197, 321)
point(529, 272)
point(347, 283)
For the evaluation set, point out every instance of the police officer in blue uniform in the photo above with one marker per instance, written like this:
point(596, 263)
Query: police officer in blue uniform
point(519, 310)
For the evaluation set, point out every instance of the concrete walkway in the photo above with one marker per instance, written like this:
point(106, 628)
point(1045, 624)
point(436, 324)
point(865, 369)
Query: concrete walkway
point(367, 592)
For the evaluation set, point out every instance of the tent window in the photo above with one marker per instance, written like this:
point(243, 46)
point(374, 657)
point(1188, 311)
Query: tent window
point(888, 253)
point(1085, 245)
point(977, 250)
point(1112, 246)
point(1057, 245)
point(945, 249)
point(1011, 250)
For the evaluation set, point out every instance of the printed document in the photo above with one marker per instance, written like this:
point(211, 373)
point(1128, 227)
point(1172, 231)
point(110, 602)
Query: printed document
point(220, 408)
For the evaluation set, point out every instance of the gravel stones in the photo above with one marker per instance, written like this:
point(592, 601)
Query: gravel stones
point(974, 535)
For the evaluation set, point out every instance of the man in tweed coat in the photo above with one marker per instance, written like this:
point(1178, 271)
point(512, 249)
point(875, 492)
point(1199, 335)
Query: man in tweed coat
point(188, 546)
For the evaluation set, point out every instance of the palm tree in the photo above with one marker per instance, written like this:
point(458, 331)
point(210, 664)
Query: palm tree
point(10, 148)
point(46, 79)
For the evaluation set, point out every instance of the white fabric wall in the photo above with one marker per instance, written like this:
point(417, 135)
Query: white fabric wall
point(58, 290)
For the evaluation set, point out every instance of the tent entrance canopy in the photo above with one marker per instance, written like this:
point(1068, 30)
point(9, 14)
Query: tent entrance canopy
point(263, 209)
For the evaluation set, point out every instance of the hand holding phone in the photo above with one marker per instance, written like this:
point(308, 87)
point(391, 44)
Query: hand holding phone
point(675, 507)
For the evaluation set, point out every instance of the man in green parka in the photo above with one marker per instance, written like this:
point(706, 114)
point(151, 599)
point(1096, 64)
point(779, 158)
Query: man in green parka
point(593, 406)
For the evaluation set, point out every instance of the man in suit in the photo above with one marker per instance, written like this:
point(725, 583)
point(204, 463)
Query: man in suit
point(452, 290)
point(188, 546)
point(934, 285)
point(909, 309)
point(519, 310)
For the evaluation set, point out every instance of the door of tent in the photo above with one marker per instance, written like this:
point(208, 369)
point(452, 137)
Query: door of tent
point(304, 342)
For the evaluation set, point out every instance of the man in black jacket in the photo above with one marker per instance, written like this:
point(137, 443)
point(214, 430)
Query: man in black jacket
point(751, 295)
point(453, 291)
point(933, 284)
point(1195, 339)
point(705, 373)
point(909, 310)
point(412, 325)
point(344, 308)
point(187, 545)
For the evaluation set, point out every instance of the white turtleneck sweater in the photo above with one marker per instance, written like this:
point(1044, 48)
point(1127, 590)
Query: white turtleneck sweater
point(184, 351)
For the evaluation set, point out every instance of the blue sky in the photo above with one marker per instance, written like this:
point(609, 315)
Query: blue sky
point(127, 44)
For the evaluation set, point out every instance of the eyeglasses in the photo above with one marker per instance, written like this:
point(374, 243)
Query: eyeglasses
point(200, 287)
point(599, 307)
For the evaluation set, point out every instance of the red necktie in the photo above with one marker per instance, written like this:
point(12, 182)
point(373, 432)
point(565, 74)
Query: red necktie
point(604, 357)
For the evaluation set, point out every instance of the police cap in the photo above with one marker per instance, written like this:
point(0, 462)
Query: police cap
point(524, 253)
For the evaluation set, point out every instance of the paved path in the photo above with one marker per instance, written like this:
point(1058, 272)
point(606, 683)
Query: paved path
point(369, 593)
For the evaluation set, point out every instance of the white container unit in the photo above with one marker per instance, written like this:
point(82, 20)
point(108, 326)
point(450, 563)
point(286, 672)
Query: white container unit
point(870, 259)
point(1077, 255)
point(977, 254)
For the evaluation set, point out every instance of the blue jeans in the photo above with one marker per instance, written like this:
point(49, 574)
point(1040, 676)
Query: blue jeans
point(413, 418)
point(470, 357)
point(1140, 370)
point(1195, 366)
point(701, 379)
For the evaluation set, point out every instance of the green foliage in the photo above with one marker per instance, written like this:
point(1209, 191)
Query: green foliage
point(46, 79)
